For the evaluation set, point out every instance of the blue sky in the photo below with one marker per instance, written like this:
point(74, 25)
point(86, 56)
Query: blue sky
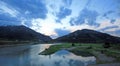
point(59, 17)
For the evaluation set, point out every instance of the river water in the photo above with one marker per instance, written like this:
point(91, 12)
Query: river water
point(28, 55)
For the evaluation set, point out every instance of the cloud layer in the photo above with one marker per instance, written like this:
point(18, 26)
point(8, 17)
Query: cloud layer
point(60, 17)
point(86, 16)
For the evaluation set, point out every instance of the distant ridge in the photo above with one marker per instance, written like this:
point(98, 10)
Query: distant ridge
point(88, 36)
point(21, 33)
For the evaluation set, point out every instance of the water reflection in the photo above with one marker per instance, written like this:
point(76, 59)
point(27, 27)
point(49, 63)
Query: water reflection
point(66, 58)
point(28, 56)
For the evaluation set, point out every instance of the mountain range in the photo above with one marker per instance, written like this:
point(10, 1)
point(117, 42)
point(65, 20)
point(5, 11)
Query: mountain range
point(88, 36)
point(21, 33)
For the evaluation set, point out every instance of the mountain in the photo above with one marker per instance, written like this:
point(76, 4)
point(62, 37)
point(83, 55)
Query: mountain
point(88, 36)
point(21, 33)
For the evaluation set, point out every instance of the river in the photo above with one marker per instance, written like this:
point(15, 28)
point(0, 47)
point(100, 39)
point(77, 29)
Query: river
point(28, 55)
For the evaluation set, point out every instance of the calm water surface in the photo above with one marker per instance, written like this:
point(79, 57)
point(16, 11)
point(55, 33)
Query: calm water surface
point(28, 56)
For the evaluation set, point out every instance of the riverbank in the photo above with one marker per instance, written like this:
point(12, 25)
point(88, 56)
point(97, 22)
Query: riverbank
point(16, 43)
point(107, 64)
point(103, 55)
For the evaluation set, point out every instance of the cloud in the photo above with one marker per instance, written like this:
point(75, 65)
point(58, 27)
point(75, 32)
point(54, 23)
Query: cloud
point(109, 28)
point(112, 20)
point(21, 12)
point(111, 15)
point(47, 26)
point(59, 8)
point(6, 9)
point(35, 9)
point(8, 20)
point(114, 33)
point(72, 23)
point(107, 22)
point(50, 17)
point(67, 2)
point(63, 13)
point(62, 32)
point(86, 16)
point(8, 15)
point(26, 22)
point(107, 13)
point(80, 27)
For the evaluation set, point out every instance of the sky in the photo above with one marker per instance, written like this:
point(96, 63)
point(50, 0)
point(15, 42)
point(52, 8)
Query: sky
point(56, 18)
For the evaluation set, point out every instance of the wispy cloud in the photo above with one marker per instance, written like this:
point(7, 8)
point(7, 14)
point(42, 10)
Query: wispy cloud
point(21, 12)
point(63, 13)
point(109, 28)
point(107, 13)
point(7, 9)
point(8, 15)
point(86, 16)
point(106, 25)
point(29, 9)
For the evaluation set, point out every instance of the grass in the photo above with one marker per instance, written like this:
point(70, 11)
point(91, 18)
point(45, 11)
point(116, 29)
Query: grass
point(81, 52)
point(78, 50)
point(113, 53)
point(52, 49)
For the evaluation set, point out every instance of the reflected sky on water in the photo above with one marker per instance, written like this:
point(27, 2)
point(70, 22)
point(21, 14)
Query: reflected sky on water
point(28, 56)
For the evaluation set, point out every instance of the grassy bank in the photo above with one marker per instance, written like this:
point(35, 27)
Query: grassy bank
point(86, 50)
point(67, 46)
point(52, 49)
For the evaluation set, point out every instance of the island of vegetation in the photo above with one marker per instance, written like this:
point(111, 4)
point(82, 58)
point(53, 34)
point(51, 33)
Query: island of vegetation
point(104, 53)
